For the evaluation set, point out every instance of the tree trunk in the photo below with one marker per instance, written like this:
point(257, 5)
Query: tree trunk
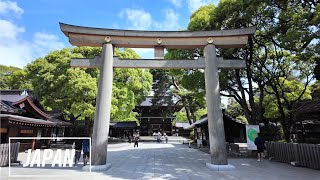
point(283, 119)
point(187, 111)
point(87, 126)
point(243, 102)
point(254, 117)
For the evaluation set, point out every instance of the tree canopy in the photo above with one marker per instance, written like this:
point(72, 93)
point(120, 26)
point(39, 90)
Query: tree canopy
point(280, 58)
point(74, 90)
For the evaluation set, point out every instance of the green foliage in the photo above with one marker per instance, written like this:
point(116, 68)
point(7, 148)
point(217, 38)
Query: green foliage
point(74, 90)
point(292, 89)
point(242, 119)
point(234, 108)
point(285, 46)
point(201, 18)
point(182, 117)
point(13, 78)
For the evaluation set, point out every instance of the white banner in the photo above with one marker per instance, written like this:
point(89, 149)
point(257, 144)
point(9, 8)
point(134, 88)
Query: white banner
point(252, 132)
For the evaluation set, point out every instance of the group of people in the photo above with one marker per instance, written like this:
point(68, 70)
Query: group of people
point(81, 145)
point(159, 137)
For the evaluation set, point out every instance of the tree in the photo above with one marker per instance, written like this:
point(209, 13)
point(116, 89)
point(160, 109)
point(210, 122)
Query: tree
point(280, 104)
point(281, 48)
point(13, 78)
point(285, 45)
point(234, 108)
point(181, 115)
point(74, 90)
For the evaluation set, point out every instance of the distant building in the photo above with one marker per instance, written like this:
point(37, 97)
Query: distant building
point(22, 116)
point(179, 129)
point(122, 129)
point(234, 129)
point(307, 122)
point(156, 117)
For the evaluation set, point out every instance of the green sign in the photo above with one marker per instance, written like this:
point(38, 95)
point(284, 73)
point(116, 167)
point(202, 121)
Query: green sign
point(252, 134)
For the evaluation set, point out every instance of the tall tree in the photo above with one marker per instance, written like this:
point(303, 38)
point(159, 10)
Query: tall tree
point(74, 89)
point(283, 28)
point(287, 31)
point(13, 78)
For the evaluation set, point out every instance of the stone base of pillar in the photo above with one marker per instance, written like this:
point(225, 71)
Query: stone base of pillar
point(95, 168)
point(215, 167)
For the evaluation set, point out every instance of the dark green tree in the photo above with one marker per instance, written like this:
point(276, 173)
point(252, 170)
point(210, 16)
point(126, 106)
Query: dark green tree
point(74, 90)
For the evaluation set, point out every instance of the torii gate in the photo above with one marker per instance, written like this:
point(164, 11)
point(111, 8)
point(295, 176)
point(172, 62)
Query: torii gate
point(110, 38)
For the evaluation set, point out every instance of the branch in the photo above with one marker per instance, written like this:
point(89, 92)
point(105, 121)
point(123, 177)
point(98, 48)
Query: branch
point(304, 90)
point(230, 95)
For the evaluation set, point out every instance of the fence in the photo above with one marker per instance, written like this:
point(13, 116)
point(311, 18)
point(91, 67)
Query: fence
point(4, 153)
point(307, 155)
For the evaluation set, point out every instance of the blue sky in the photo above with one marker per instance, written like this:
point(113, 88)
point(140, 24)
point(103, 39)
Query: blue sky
point(29, 29)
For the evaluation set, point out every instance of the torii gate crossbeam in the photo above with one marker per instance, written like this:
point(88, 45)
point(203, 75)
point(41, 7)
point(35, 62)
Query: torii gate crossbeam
point(110, 38)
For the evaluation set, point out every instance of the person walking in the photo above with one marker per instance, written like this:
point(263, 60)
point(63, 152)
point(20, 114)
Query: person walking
point(166, 137)
point(259, 142)
point(86, 151)
point(78, 148)
point(159, 137)
point(136, 140)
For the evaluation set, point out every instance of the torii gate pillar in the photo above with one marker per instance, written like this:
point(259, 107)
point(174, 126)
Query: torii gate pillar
point(215, 118)
point(103, 107)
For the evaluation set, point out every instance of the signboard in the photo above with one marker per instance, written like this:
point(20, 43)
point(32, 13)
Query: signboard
point(252, 133)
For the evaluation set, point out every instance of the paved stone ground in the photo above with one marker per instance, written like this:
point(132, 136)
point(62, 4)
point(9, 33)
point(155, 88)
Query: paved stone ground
point(167, 161)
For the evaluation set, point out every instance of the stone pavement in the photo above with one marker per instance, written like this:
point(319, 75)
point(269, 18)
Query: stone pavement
point(167, 161)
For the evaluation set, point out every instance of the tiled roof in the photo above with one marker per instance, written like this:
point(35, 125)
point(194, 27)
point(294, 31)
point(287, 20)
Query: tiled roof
point(60, 123)
point(6, 106)
point(23, 119)
point(125, 124)
point(12, 98)
point(204, 121)
point(28, 120)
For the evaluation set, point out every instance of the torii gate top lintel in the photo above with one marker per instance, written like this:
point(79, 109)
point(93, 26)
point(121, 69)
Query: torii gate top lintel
point(88, 36)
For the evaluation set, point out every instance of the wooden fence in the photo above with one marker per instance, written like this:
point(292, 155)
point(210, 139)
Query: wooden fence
point(307, 155)
point(4, 153)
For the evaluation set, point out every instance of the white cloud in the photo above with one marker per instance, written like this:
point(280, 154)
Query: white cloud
point(44, 43)
point(9, 31)
point(19, 52)
point(142, 20)
point(138, 18)
point(171, 20)
point(7, 6)
point(193, 5)
point(16, 51)
point(176, 3)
